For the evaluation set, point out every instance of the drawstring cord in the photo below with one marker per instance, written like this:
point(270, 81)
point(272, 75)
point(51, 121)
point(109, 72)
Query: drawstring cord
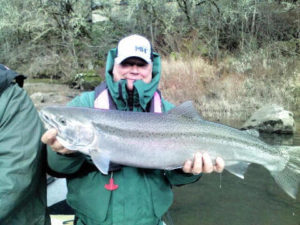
point(111, 186)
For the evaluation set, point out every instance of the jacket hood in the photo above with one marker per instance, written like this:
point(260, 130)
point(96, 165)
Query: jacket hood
point(142, 92)
point(7, 76)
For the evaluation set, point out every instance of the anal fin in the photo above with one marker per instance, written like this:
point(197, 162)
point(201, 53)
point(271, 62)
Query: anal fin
point(237, 168)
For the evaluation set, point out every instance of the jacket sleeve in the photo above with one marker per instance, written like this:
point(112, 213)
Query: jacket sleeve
point(178, 177)
point(22, 158)
point(64, 165)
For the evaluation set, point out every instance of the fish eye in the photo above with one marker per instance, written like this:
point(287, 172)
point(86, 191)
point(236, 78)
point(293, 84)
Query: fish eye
point(62, 121)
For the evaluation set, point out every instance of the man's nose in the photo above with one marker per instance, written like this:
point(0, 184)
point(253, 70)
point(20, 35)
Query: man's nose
point(134, 69)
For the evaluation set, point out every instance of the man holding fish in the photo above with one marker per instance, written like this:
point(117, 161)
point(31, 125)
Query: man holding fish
point(127, 195)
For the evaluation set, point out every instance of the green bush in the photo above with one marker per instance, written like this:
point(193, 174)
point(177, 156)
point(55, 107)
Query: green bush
point(85, 80)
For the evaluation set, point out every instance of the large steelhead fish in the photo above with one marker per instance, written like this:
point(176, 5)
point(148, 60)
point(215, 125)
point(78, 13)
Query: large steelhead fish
point(166, 141)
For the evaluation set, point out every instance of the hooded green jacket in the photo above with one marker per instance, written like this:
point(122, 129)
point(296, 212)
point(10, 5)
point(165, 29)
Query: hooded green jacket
point(22, 158)
point(143, 196)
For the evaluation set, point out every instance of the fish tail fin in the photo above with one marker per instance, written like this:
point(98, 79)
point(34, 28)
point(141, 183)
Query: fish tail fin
point(289, 177)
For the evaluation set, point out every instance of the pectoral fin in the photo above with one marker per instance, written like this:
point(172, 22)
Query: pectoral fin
point(101, 161)
point(237, 168)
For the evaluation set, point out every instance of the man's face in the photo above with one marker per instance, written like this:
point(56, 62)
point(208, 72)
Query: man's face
point(133, 69)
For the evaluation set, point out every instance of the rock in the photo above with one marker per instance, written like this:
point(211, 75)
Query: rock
point(38, 97)
point(44, 99)
point(271, 119)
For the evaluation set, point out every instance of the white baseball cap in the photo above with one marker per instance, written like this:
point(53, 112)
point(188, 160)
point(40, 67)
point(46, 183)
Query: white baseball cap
point(134, 46)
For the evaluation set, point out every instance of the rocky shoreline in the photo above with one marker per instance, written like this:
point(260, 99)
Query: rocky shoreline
point(43, 94)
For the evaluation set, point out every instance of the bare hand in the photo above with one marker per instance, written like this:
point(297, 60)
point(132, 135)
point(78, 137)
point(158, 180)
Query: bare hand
point(49, 138)
point(202, 163)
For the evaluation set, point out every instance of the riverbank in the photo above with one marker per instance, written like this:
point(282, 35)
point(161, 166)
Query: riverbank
point(43, 94)
point(213, 108)
point(218, 96)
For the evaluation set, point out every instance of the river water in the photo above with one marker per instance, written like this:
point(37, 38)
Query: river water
point(228, 200)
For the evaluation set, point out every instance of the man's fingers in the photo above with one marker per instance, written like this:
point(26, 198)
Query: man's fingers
point(207, 163)
point(197, 165)
point(56, 146)
point(219, 166)
point(49, 136)
point(66, 151)
point(202, 163)
point(187, 167)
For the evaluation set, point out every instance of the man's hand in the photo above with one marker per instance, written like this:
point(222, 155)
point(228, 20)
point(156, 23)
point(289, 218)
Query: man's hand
point(203, 164)
point(49, 138)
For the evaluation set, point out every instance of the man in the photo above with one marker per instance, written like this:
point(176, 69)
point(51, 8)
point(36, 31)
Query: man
point(128, 195)
point(22, 159)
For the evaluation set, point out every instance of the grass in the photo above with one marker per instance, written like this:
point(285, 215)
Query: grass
point(43, 80)
point(234, 88)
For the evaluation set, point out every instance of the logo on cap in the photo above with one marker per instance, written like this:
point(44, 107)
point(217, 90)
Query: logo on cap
point(141, 49)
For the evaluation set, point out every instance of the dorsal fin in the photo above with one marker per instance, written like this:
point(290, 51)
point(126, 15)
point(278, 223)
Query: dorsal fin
point(187, 110)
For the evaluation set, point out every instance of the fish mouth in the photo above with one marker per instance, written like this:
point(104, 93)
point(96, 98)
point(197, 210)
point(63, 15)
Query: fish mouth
point(49, 122)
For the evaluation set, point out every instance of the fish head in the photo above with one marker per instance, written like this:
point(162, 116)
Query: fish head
point(75, 132)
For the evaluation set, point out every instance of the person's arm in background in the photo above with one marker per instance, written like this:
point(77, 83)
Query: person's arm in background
point(22, 160)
